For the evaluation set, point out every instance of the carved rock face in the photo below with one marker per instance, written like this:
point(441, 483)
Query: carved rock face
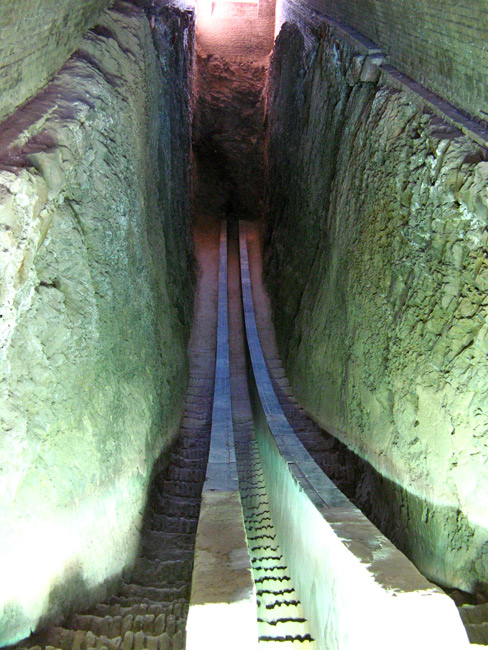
point(36, 40)
point(377, 239)
point(93, 366)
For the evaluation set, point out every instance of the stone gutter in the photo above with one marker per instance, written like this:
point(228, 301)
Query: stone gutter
point(223, 609)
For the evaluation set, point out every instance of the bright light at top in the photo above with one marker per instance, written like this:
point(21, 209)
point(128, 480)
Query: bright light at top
point(235, 29)
point(218, 9)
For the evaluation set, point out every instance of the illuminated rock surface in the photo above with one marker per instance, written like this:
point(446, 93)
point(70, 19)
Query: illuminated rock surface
point(376, 265)
point(378, 215)
point(93, 334)
point(223, 599)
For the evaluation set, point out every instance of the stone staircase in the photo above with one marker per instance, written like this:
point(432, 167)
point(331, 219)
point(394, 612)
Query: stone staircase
point(149, 612)
point(280, 613)
point(475, 619)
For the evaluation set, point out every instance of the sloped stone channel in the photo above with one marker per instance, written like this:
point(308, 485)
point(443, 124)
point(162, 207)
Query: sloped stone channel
point(281, 621)
point(150, 610)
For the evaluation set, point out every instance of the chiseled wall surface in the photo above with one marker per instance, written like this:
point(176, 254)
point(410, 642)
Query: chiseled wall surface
point(441, 43)
point(36, 38)
point(94, 324)
point(377, 269)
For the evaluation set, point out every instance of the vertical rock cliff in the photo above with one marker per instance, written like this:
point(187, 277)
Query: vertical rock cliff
point(234, 41)
point(376, 264)
point(96, 277)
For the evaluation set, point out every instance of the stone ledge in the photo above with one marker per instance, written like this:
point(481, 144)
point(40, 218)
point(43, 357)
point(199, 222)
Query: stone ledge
point(376, 65)
point(222, 611)
point(357, 589)
point(223, 608)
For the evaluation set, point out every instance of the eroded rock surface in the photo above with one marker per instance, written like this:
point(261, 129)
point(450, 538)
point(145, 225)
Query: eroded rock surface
point(233, 45)
point(95, 304)
point(377, 270)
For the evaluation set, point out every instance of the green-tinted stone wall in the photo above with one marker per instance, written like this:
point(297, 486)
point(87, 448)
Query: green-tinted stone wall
point(36, 38)
point(95, 306)
point(376, 267)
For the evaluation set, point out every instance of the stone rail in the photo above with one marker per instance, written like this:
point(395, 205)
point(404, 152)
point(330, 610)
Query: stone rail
point(223, 609)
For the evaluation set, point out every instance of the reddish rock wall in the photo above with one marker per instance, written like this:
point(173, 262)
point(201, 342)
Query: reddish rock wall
point(234, 41)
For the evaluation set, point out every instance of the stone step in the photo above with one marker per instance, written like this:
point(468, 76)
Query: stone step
point(60, 637)
point(127, 602)
point(174, 506)
point(195, 420)
point(474, 613)
point(167, 553)
point(477, 633)
point(269, 567)
point(153, 573)
point(194, 452)
point(189, 463)
point(178, 545)
point(283, 609)
point(287, 627)
point(141, 641)
point(173, 524)
point(197, 434)
point(263, 553)
point(154, 594)
point(261, 542)
point(262, 524)
point(270, 643)
point(269, 599)
point(191, 436)
point(182, 488)
point(116, 609)
point(116, 626)
point(185, 474)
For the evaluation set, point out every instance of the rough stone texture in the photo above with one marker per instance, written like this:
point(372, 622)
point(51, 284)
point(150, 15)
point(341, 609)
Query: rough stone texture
point(233, 45)
point(441, 44)
point(93, 335)
point(174, 39)
point(377, 271)
point(36, 38)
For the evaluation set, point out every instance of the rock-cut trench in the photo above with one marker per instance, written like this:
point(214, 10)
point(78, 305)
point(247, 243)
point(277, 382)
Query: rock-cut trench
point(116, 178)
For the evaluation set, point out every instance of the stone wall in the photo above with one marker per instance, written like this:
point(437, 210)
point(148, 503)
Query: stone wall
point(36, 38)
point(234, 41)
point(440, 44)
point(376, 266)
point(94, 231)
